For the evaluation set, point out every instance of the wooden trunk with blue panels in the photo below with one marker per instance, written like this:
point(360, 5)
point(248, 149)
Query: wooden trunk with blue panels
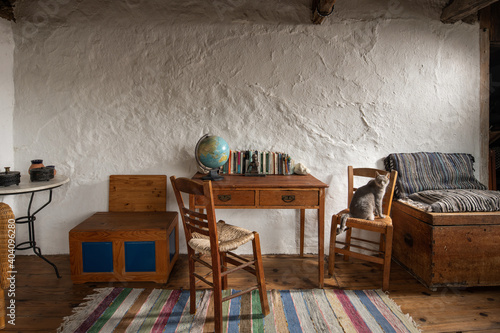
point(124, 246)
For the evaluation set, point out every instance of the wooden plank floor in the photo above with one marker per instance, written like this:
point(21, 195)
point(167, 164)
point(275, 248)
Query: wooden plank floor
point(42, 300)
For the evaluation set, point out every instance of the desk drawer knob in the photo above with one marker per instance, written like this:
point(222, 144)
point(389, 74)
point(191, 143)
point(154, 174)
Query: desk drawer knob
point(224, 197)
point(288, 198)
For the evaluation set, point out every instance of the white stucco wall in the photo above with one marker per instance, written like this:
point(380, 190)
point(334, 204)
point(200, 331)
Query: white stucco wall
point(128, 87)
point(6, 100)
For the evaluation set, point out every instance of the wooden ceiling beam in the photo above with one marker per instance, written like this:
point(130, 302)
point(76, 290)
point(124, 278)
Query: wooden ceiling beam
point(321, 9)
point(460, 9)
point(7, 10)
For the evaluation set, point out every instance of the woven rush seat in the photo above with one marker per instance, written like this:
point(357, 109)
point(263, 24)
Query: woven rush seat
point(230, 238)
point(378, 221)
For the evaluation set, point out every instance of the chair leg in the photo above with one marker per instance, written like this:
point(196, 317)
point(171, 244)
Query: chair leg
point(217, 290)
point(382, 243)
point(348, 242)
point(387, 258)
point(259, 270)
point(333, 238)
point(192, 282)
point(223, 268)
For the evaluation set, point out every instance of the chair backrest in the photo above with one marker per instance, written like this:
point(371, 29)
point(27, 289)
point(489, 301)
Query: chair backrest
point(197, 222)
point(137, 193)
point(372, 173)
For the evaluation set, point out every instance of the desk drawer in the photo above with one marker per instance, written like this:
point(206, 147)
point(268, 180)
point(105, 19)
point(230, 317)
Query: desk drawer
point(233, 198)
point(289, 198)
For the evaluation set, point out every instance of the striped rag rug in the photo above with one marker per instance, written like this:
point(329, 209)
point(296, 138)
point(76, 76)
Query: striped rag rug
point(161, 310)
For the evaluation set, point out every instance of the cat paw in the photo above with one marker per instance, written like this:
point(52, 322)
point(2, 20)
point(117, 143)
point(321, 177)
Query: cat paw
point(382, 216)
point(341, 230)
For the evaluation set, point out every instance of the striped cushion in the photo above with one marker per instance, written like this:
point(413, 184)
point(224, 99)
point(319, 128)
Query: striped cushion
point(448, 201)
point(432, 171)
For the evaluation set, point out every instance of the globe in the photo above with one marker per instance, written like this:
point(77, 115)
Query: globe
point(211, 153)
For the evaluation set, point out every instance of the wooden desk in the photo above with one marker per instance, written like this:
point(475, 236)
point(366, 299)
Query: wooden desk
point(274, 192)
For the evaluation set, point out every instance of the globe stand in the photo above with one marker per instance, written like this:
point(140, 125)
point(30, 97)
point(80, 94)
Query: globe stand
point(213, 175)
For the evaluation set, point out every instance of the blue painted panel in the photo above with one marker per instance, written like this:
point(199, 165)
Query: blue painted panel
point(171, 244)
point(97, 257)
point(140, 257)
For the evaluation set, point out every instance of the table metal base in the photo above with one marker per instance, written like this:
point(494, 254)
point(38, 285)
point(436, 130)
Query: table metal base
point(30, 221)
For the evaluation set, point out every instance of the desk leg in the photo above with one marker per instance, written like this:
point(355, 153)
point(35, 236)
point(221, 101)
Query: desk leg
point(321, 238)
point(302, 225)
point(30, 220)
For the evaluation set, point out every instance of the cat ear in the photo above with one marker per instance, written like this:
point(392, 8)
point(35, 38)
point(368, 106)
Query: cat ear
point(378, 174)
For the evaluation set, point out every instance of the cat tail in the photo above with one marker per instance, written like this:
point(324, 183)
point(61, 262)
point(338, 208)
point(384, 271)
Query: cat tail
point(343, 221)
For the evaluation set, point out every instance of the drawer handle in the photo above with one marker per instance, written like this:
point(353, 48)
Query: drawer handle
point(408, 239)
point(224, 197)
point(288, 198)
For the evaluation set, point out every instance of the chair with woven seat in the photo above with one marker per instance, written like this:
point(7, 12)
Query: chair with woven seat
point(207, 237)
point(6, 217)
point(383, 226)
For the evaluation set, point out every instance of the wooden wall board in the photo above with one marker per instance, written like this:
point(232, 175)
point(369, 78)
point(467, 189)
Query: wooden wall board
point(137, 193)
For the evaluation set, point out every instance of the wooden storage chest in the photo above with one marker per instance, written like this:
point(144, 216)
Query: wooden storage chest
point(124, 246)
point(447, 249)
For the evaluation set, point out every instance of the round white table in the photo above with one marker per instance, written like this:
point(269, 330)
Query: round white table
point(27, 186)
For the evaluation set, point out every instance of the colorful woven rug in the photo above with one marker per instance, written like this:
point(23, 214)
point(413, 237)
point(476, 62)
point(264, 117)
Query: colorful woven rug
point(317, 310)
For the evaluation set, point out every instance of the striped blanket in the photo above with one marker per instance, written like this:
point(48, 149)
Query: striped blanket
point(450, 201)
point(443, 182)
point(432, 171)
point(162, 310)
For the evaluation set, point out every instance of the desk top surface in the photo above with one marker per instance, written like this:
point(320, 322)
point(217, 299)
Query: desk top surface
point(269, 181)
point(27, 186)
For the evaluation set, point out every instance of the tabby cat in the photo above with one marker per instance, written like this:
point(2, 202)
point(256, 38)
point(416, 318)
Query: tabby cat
point(366, 201)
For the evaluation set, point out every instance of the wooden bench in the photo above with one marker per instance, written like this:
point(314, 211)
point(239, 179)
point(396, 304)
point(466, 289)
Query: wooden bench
point(137, 240)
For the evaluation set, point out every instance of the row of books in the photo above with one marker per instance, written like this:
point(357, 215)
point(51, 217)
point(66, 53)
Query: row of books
point(270, 163)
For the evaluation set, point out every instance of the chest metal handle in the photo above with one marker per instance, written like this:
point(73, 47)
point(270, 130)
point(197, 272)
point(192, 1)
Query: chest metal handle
point(288, 198)
point(224, 197)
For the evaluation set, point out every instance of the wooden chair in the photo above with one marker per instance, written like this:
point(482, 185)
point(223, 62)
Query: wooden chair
point(382, 255)
point(206, 236)
point(6, 215)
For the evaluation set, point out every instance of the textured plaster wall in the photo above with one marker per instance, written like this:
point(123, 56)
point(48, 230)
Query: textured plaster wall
point(6, 100)
point(128, 87)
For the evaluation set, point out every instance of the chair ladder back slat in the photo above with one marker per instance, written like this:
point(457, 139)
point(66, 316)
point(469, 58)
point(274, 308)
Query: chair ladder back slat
point(197, 226)
point(195, 214)
point(198, 219)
